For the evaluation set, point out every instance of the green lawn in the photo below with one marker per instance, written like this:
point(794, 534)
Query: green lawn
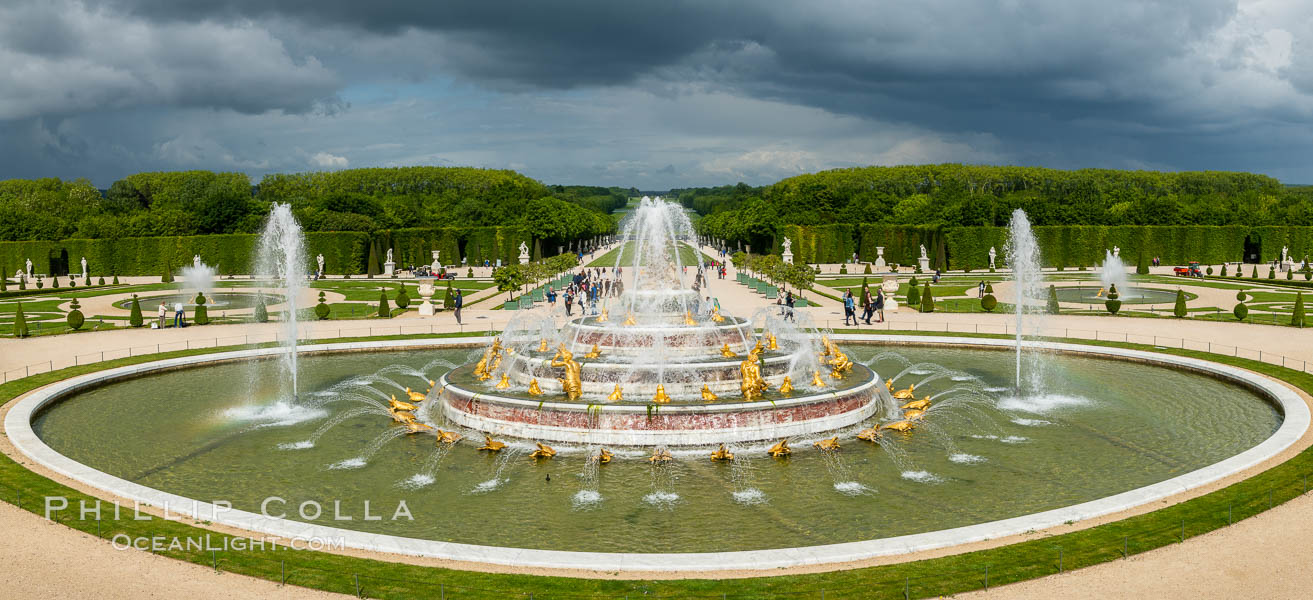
point(928, 578)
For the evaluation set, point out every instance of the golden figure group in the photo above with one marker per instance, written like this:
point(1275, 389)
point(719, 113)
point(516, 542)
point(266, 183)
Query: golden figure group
point(571, 382)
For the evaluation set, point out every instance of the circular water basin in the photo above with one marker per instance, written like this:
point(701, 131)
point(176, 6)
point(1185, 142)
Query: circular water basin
point(215, 301)
point(1088, 294)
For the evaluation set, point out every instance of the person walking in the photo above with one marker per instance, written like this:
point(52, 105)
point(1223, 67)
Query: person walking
point(177, 314)
point(164, 314)
point(551, 297)
point(458, 302)
point(868, 305)
point(849, 312)
point(569, 301)
point(789, 302)
point(879, 305)
point(980, 289)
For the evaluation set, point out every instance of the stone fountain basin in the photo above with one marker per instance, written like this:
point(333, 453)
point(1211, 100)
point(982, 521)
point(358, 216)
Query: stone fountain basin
point(639, 380)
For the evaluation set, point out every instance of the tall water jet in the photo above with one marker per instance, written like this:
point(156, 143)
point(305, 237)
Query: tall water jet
point(1024, 259)
point(281, 258)
point(1113, 272)
point(199, 278)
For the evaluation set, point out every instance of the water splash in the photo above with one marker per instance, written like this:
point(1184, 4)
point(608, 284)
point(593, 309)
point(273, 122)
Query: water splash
point(1024, 260)
point(281, 257)
point(370, 450)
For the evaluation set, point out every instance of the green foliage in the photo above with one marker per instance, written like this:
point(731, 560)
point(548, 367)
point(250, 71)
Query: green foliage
point(54, 282)
point(927, 300)
point(1209, 270)
point(1240, 295)
point(1179, 310)
point(1052, 306)
point(469, 273)
point(72, 282)
point(509, 278)
point(449, 299)
point(1223, 273)
point(322, 310)
point(20, 322)
point(384, 312)
point(168, 273)
point(1112, 303)
point(1254, 274)
point(843, 269)
point(373, 267)
point(134, 319)
point(100, 280)
point(1290, 274)
point(202, 316)
point(1240, 311)
point(261, 312)
point(74, 318)
point(116, 280)
point(40, 282)
point(1272, 272)
point(1297, 316)
point(1142, 264)
point(403, 299)
point(868, 269)
point(22, 283)
point(4, 279)
point(989, 287)
point(989, 303)
point(913, 293)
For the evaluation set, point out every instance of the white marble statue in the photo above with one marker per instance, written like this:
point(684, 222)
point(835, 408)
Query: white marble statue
point(18, 275)
point(320, 259)
point(390, 256)
point(28, 277)
point(524, 249)
point(1116, 250)
point(84, 267)
point(993, 253)
point(788, 246)
point(1285, 254)
point(196, 261)
point(923, 254)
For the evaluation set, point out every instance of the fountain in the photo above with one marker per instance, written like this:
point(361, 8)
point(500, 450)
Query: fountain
point(673, 373)
point(281, 257)
point(1023, 258)
point(199, 277)
point(1113, 272)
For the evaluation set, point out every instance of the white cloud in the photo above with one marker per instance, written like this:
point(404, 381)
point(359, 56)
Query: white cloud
point(325, 160)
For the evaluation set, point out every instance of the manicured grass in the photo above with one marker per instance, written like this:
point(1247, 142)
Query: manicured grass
point(927, 578)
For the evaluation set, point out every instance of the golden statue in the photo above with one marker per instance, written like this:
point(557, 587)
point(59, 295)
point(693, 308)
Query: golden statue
point(722, 454)
point(726, 352)
point(616, 395)
point(448, 437)
point(416, 427)
point(542, 345)
point(481, 369)
point(771, 342)
point(660, 455)
point(396, 405)
point(751, 383)
point(688, 318)
point(629, 320)
point(661, 397)
point(496, 362)
point(914, 415)
point(829, 445)
point(543, 451)
point(707, 396)
point(505, 382)
point(903, 426)
point(870, 434)
point(415, 396)
point(605, 314)
point(593, 353)
point(432, 383)
point(816, 380)
point(787, 385)
point(534, 389)
point(906, 394)
point(402, 416)
point(825, 345)
point(781, 448)
point(889, 384)
point(921, 404)
point(571, 383)
point(715, 315)
point(491, 445)
point(603, 456)
point(756, 348)
point(838, 360)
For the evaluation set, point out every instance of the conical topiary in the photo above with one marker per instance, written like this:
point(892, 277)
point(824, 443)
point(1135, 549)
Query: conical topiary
point(1112, 303)
point(116, 279)
point(1141, 265)
point(868, 269)
point(989, 288)
point(1052, 307)
point(1223, 270)
point(20, 322)
point(22, 283)
point(449, 298)
point(322, 309)
point(100, 280)
point(403, 299)
point(202, 316)
point(1290, 274)
point(1272, 272)
point(1297, 316)
point(261, 313)
point(927, 299)
point(135, 319)
point(74, 317)
point(1254, 274)
point(384, 311)
point(913, 292)
point(1179, 310)
point(54, 282)
point(843, 269)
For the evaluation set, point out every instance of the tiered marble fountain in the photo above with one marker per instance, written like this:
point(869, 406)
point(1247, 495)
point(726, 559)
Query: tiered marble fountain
point(656, 368)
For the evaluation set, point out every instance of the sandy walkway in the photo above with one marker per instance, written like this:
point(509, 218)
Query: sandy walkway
point(1261, 557)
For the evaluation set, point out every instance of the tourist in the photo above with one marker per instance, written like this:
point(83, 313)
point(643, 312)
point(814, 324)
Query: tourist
point(980, 289)
point(458, 302)
point(788, 301)
point(164, 314)
point(569, 300)
point(551, 297)
point(849, 312)
point(935, 277)
point(177, 314)
point(868, 305)
point(879, 305)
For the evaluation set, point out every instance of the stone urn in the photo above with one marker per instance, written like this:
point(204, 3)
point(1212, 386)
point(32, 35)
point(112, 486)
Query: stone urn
point(426, 293)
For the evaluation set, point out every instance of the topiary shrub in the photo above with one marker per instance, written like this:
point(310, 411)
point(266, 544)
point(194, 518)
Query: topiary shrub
point(1308, 274)
point(1290, 274)
point(868, 269)
point(4, 281)
point(346, 276)
point(843, 269)
point(261, 314)
point(1223, 269)
point(1271, 272)
point(1112, 303)
point(168, 274)
point(1240, 311)
point(403, 299)
point(1179, 310)
point(40, 283)
point(988, 303)
point(1297, 316)
point(1141, 265)
point(22, 283)
point(1209, 270)
point(1240, 295)
point(54, 282)
point(322, 310)
point(72, 282)
point(1254, 274)
point(116, 280)
point(448, 299)
point(384, 312)
point(913, 292)
point(135, 319)
point(202, 316)
point(20, 322)
point(927, 300)
point(100, 280)
point(989, 287)
point(470, 273)
point(74, 317)
point(1052, 307)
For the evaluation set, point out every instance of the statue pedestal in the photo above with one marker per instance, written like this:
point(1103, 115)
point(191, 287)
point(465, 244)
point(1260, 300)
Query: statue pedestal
point(788, 258)
point(524, 258)
point(389, 268)
point(426, 292)
point(925, 264)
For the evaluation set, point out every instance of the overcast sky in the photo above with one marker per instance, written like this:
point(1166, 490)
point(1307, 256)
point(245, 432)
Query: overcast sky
point(655, 93)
